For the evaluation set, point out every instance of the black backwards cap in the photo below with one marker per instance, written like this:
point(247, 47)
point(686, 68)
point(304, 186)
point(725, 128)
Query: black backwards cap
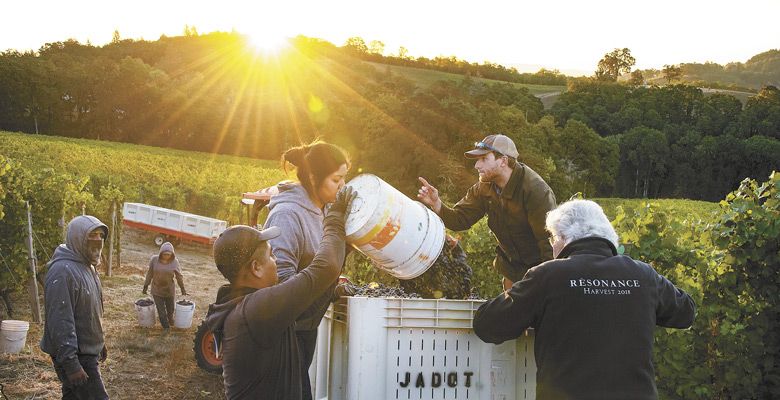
point(234, 247)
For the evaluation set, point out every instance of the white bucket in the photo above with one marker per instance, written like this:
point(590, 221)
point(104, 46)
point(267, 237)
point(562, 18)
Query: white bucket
point(401, 236)
point(13, 335)
point(146, 314)
point(183, 317)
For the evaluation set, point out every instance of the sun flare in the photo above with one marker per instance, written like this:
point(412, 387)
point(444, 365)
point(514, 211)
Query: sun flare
point(268, 43)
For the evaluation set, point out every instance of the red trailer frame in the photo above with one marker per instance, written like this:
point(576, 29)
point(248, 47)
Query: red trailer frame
point(167, 234)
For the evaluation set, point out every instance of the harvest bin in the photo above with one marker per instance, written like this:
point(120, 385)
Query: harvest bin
point(393, 348)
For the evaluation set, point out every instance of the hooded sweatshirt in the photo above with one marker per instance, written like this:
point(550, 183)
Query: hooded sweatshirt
point(260, 352)
point(73, 299)
point(161, 275)
point(301, 223)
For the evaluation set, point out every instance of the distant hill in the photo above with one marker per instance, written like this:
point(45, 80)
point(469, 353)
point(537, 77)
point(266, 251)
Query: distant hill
point(425, 77)
point(759, 71)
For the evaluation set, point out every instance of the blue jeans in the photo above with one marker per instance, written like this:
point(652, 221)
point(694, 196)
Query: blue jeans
point(92, 390)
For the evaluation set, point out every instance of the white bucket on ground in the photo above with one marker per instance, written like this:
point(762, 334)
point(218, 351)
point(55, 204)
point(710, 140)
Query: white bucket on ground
point(401, 236)
point(13, 335)
point(182, 318)
point(146, 314)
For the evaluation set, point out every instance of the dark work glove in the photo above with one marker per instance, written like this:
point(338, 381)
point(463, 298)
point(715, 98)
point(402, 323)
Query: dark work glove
point(343, 290)
point(344, 198)
point(104, 353)
point(184, 292)
point(145, 288)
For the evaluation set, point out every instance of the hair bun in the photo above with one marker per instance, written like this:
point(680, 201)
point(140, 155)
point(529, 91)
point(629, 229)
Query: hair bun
point(295, 156)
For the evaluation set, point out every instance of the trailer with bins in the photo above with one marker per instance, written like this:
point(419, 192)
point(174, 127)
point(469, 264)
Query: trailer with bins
point(172, 225)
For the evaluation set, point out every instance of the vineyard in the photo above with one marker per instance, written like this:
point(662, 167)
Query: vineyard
point(725, 255)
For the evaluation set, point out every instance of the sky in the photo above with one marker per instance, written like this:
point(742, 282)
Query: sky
point(568, 35)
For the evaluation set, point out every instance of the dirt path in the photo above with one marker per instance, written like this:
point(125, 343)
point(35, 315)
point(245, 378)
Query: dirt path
point(143, 363)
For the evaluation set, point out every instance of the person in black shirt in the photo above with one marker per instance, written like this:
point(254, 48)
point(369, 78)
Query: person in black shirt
point(593, 311)
point(255, 317)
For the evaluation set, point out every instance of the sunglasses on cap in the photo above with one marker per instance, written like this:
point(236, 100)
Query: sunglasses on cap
point(485, 146)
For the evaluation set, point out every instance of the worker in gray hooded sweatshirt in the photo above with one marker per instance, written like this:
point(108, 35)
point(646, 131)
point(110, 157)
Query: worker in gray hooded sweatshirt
point(73, 335)
point(163, 268)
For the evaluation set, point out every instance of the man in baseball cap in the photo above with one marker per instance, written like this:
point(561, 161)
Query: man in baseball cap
point(514, 197)
point(254, 317)
point(494, 143)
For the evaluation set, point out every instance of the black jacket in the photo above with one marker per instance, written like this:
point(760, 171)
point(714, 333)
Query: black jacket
point(594, 313)
point(259, 348)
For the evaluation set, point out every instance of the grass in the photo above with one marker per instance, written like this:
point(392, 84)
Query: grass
point(741, 96)
point(693, 209)
point(426, 77)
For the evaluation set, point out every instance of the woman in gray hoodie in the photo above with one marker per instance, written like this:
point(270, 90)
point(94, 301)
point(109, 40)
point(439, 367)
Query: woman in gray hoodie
point(298, 211)
point(163, 268)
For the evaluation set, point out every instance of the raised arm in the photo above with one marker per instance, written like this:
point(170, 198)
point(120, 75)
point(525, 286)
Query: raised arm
point(269, 311)
point(466, 212)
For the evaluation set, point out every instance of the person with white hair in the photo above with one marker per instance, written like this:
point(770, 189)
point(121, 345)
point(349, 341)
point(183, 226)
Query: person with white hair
point(593, 311)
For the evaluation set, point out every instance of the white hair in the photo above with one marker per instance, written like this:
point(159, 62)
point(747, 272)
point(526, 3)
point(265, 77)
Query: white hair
point(577, 219)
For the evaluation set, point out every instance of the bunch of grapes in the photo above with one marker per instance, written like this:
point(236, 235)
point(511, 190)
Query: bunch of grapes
point(449, 277)
point(374, 289)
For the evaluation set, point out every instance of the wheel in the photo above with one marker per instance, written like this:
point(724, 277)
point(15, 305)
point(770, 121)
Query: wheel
point(206, 350)
point(159, 240)
point(175, 240)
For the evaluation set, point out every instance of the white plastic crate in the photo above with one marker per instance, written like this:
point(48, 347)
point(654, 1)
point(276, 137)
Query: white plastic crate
point(391, 348)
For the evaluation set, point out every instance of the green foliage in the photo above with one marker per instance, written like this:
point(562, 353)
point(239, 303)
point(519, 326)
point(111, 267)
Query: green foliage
point(745, 328)
point(675, 141)
point(728, 262)
point(51, 196)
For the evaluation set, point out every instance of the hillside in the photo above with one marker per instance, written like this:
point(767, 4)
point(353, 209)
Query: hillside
point(760, 70)
point(424, 78)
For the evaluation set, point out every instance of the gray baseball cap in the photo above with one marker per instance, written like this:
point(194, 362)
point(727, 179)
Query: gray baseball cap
point(498, 143)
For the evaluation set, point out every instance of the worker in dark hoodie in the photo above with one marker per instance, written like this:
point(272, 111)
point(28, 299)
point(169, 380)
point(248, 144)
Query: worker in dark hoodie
point(254, 317)
point(321, 169)
point(163, 268)
point(72, 333)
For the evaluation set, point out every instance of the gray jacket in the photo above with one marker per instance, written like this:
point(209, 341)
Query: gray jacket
point(73, 299)
point(301, 223)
